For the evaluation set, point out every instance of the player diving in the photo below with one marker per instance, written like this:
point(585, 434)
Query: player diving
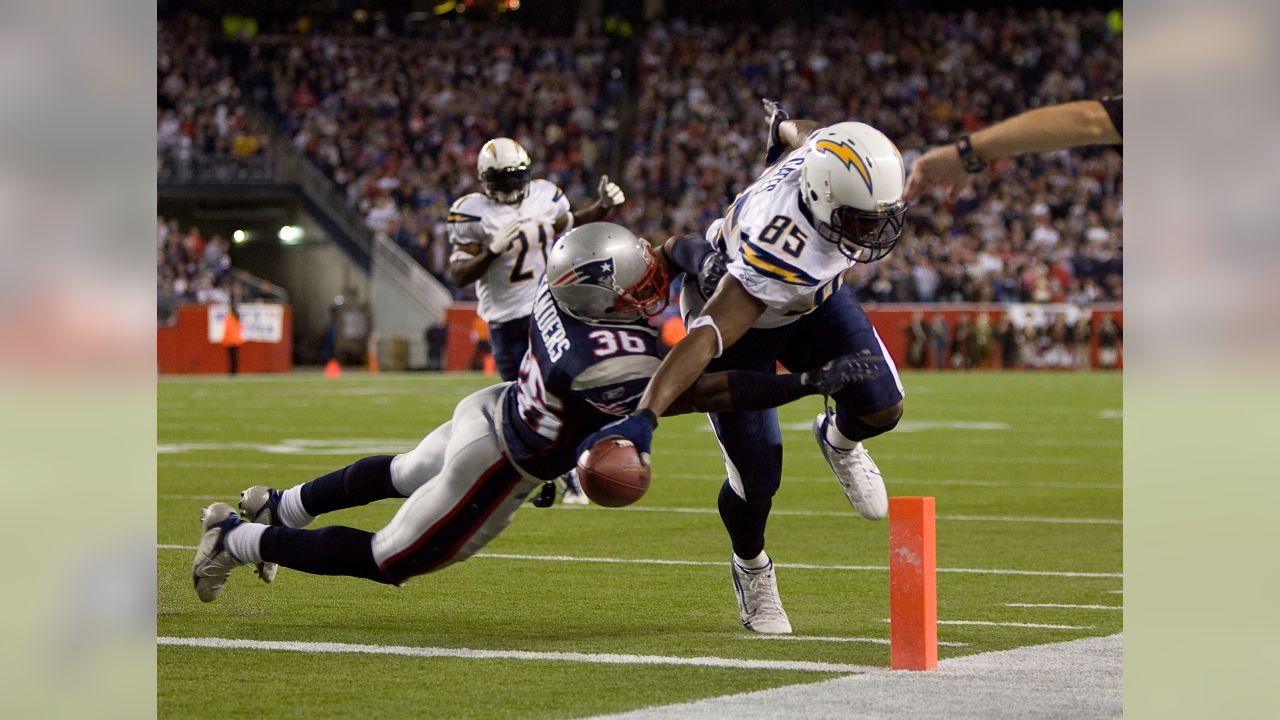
point(591, 354)
point(829, 198)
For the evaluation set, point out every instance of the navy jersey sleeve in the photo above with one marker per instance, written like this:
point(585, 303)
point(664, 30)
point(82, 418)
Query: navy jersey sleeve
point(1115, 110)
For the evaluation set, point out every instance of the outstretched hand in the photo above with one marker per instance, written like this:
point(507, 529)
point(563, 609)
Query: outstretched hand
point(637, 427)
point(842, 372)
point(940, 166)
point(609, 193)
point(774, 115)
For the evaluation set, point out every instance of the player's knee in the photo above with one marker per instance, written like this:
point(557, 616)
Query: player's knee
point(869, 425)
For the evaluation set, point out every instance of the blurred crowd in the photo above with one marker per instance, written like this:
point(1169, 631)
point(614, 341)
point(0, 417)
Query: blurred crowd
point(199, 109)
point(192, 268)
point(396, 122)
point(1058, 340)
point(1040, 229)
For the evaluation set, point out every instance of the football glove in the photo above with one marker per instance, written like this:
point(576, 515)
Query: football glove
point(841, 372)
point(774, 115)
point(609, 193)
point(503, 238)
point(636, 427)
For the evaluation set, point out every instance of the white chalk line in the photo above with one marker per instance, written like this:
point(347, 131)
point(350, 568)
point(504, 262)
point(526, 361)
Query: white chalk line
point(895, 481)
point(539, 656)
point(1064, 606)
point(784, 513)
point(1116, 592)
point(788, 566)
point(819, 638)
point(992, 623)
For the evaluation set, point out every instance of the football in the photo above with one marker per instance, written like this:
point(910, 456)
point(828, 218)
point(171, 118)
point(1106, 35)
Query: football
point(612, 474)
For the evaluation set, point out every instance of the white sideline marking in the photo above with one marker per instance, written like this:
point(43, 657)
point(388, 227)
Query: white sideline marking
point(991, 623)
point(820, 638)
point(1116, 592)
point(910, 481)
point(1070, 607)
point(473, 654)
point(789, 566)
point(850, 513)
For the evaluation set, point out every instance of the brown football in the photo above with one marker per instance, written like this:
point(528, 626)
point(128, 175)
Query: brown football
point(611, 473)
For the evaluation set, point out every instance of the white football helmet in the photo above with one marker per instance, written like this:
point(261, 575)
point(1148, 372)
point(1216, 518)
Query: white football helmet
point(505, 171)
point(851, 183)
point(603, 272)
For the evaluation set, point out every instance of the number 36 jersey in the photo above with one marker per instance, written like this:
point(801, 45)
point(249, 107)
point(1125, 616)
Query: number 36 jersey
point(773, 248)
point(506, 289)
point(576, 378)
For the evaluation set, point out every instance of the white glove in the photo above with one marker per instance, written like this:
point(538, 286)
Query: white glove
point(609, 193)
point(504, 237)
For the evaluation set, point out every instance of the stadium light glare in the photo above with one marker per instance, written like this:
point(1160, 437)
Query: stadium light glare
point(290, 234)
point(513, 4)
point(444, 7)
point(239, 236)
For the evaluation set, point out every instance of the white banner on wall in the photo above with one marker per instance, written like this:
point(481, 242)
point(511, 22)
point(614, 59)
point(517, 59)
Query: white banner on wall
point(259, 322)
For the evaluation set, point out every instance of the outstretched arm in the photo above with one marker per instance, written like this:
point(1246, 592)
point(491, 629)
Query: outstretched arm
point(739, 390)
point(1050, 128)
point(785, 134)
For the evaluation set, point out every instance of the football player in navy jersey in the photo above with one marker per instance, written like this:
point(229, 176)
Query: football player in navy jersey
point(590, 357)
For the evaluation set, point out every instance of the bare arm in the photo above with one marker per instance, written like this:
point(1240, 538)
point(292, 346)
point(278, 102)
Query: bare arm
point(465, 271)
point(734, 311)
point(1050, 128)
point(793, 132)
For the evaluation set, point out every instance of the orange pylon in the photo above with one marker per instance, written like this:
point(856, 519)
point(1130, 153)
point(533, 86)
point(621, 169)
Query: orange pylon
point(331, 369)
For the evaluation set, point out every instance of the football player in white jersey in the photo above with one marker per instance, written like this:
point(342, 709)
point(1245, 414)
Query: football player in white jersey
point(500, 239)
point(591, 353)
point(831, 198)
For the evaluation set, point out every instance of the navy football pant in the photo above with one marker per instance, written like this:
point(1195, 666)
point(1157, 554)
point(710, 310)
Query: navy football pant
point(752, 442)
point(510, 340)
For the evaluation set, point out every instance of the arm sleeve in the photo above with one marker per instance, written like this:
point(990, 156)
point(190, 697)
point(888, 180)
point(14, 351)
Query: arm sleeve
point(1115, 110)
point(688, 252)
point(464, 229)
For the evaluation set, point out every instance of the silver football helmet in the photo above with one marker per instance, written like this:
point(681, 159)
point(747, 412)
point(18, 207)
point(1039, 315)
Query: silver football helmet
point(505, 170)
point(603, 272)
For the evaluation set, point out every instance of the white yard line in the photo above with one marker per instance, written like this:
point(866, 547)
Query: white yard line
point(538, 656)
point(820, 638)
point(788, 566)
point(944, 482)
point(1069, 607)
point(850, 514)
point(990, 623)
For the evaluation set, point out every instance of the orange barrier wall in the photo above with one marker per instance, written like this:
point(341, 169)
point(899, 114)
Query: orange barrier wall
point(184, 348)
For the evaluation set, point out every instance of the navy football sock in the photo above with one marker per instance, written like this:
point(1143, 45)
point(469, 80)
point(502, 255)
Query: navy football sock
point(744, 520)
point(360, 483)
point(333, 550)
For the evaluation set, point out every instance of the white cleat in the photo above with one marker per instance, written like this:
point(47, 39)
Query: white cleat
point(258, 504)
point(573, 494)
point(857, 472)
point(214, 563)
point(758, 603)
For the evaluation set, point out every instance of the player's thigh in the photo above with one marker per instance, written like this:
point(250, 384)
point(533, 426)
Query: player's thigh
point(410, 470)
point(468, 503)
point(840, 327)
point(510, 341)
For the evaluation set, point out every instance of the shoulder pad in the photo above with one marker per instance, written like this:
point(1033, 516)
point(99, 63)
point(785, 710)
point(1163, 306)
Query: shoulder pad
point(467, 208)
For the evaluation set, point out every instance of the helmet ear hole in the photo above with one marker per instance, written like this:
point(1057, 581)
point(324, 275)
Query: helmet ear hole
point(813, 195)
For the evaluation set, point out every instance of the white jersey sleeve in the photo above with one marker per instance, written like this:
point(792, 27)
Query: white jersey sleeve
point(466, 225)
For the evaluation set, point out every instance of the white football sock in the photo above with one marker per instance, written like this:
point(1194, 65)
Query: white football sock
point(292, 513)
point(837, 438)
point(244, 542)
point(755, 564)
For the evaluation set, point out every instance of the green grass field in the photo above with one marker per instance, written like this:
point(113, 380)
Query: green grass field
point(1026, 469)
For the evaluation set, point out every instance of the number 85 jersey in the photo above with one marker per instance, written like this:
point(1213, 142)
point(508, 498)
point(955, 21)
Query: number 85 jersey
point(507, 287)
point(773, 248)
point(576, 378)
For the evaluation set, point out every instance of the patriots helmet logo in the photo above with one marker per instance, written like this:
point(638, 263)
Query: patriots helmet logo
point(592, 272)
point(844, 152)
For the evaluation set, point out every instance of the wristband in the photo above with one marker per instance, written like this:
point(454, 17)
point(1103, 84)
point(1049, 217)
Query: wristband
point(972, 163)
point(706, 321)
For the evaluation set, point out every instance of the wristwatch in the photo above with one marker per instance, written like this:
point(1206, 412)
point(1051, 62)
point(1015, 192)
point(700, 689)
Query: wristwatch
point(968, 157)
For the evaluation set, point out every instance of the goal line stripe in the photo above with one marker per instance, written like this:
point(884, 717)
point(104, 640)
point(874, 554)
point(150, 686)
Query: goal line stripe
point(475, 654)
point(787, 566)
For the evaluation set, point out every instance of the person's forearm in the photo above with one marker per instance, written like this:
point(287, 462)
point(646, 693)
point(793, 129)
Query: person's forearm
point(793, 132)
point(465, 272)
point(1044, 129)
point(679, 370)
point(594, 212)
